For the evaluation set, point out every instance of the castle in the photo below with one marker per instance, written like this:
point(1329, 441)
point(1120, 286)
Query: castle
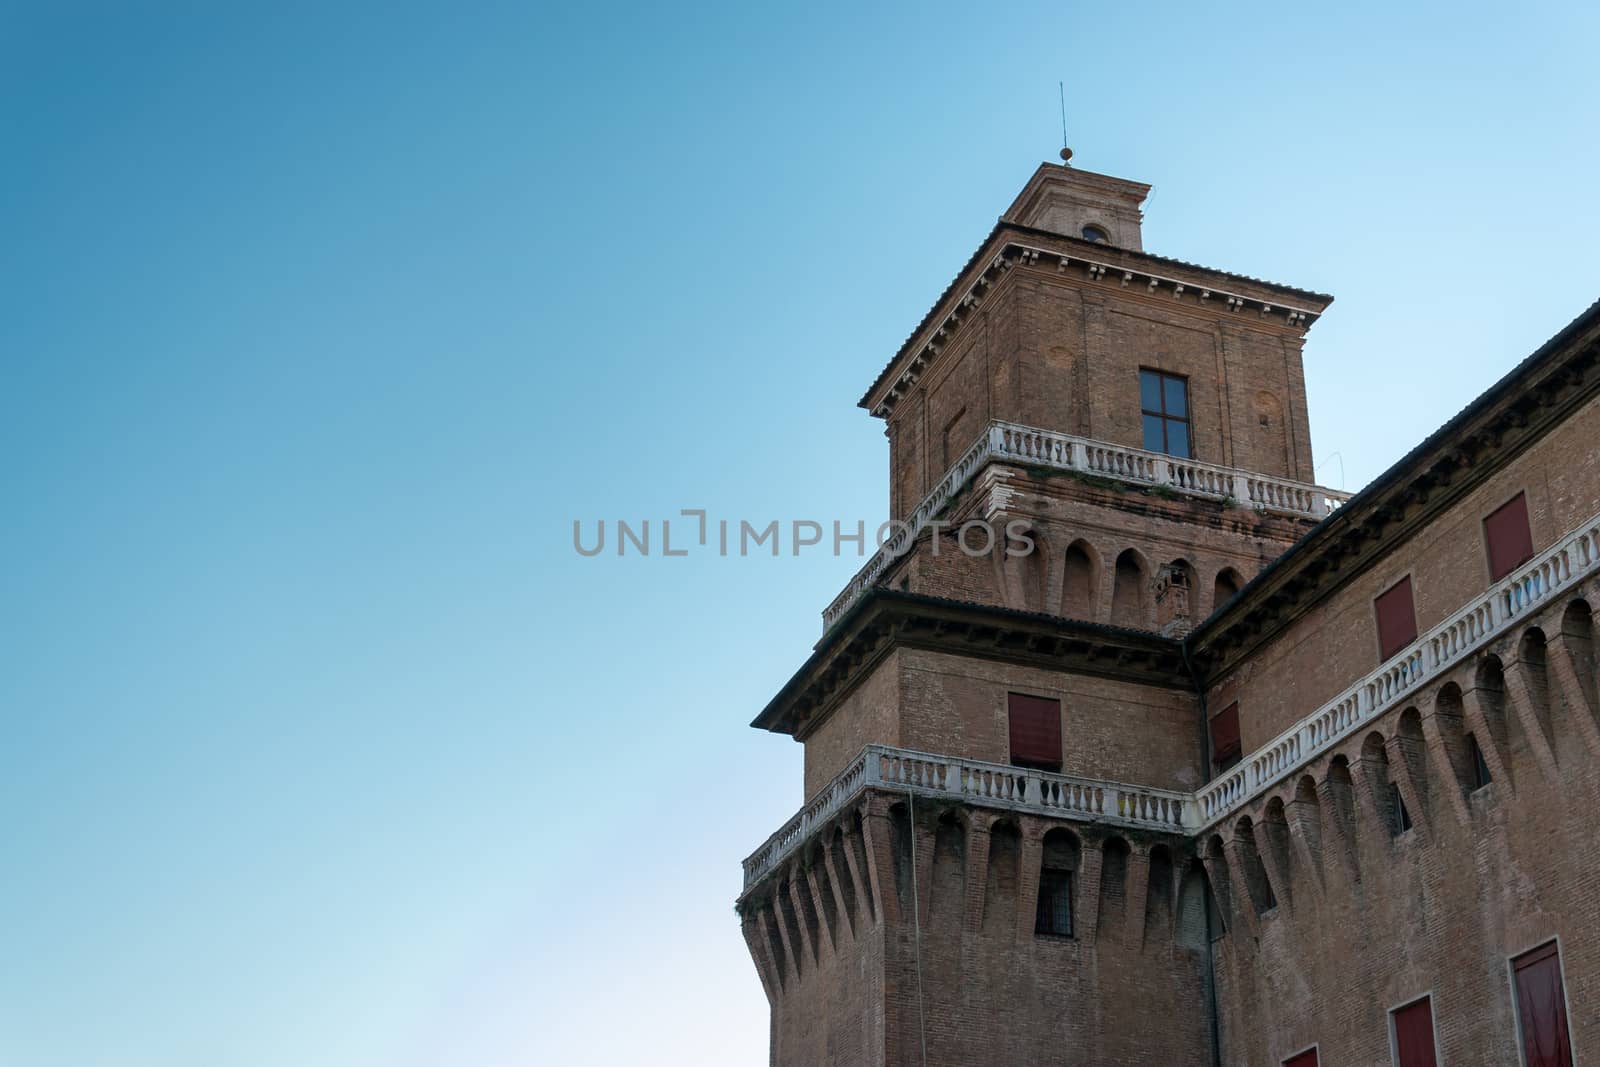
point(1230, 768)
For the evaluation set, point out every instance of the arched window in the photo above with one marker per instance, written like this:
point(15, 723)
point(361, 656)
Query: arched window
point(1128, 592)
point(1113, 883)
point(1035, 574)
point(1094, 233)
point(1226, 585)
point(1078, 583)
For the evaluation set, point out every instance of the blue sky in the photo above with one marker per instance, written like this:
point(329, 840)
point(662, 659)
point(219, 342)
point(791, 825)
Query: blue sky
point(319, 744)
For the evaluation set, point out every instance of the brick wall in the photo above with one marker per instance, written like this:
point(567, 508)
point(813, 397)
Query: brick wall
point(940, 951)
point(868, 715)
point(1367, 920)
point(1335, 644)
point(1063, 353)
point(902, 925)
point(956, 706)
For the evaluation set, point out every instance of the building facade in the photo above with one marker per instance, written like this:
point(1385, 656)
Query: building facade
point(1133, 745)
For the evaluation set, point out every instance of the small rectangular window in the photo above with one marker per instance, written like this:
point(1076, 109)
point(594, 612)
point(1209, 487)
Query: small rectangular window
point(1397, 619)
point(1542, 1008)
point(1054, 913)
point(1164, 411)
point(1413, 1034)
point(1508, 537)
point(1308, 1058)
point(1225, 748)
point(1035, 728)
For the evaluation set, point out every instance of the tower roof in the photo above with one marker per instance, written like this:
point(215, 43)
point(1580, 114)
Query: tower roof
point(1080, 203)
point(1009, 238)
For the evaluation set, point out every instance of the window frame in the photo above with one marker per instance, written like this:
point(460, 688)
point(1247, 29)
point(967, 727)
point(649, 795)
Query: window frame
point(1061, 734)
point(1511, 985)
point(1223, 766)
point(1488, 549)
point(1187, 418)
point(1433, 1022)
point(1065, 875)
point(1377, 619)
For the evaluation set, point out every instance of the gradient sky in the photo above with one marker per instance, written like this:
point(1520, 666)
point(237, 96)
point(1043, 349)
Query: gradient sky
point(319, 744)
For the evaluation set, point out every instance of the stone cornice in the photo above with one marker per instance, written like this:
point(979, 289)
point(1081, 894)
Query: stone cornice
point(884, 620)
point(1492, 431)
point(1010, 246)
point(1053, 177)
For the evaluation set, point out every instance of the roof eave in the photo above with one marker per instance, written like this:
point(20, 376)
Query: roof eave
point(1398, 480)
point(988, 257)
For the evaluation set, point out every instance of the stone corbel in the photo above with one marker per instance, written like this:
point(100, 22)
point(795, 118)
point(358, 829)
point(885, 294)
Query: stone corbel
point(1528, 705)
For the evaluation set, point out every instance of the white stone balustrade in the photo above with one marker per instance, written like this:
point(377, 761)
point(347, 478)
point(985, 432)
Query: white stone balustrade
point(981, 784)
point(1571, 560)
point(1485, 618)
point(1006, 442)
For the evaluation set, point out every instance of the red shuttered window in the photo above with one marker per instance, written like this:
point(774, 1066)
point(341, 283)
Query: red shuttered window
point(1035, 731)
point(1308, 1058)
point(1225, 737)
point(1413, 1035)
point(1542, 1008)
point(1397, 619)
point(1509, 537)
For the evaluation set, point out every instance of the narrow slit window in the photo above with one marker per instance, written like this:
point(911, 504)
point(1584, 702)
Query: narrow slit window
point(1480, 766)
point(1164, 411)
point(1399, 817)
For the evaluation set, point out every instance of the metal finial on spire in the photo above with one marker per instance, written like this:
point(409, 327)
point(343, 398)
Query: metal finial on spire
point(1066, 153)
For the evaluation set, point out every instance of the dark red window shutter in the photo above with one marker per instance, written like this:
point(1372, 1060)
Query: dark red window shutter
point(1413, 1034)
point(1225, 748)
point(1509, 536)
point(1397, 619)
point(1035, 731)
point(1308, 1058)
point(1542, 1008)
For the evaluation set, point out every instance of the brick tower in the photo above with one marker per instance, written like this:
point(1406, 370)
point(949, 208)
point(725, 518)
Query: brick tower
point(994, 860)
